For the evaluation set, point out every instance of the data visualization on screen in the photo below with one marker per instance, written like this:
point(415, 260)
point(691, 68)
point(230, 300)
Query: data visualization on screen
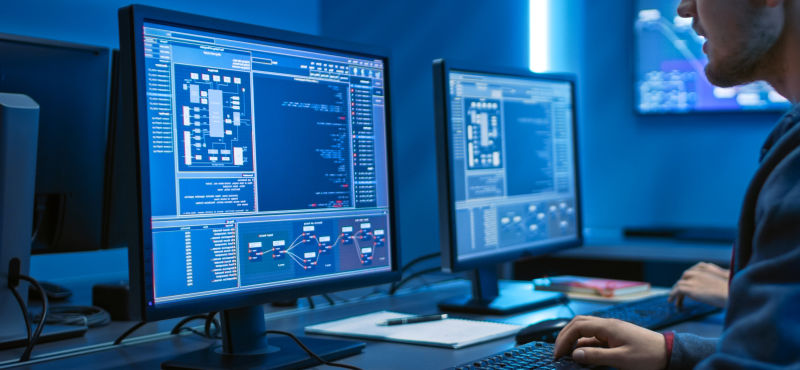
point(513, 172)
point(267, 163)
point(670, 68)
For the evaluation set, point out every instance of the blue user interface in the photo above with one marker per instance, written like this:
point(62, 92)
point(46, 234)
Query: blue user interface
point(670, 68)
point(267, 164)
point(512, 160)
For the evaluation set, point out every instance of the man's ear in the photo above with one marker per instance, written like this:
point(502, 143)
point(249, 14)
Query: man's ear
point(773, 3)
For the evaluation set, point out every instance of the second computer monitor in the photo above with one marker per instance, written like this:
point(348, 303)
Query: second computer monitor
point(70, 83)
point(507, 164)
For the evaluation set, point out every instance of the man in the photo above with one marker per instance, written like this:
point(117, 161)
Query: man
point(747, 40)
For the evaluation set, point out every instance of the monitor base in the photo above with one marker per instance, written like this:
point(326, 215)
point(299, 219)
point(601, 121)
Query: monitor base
point(283, 353)
point(245, 346)
point(50, 333)
point(488, 299)
point(504, 304)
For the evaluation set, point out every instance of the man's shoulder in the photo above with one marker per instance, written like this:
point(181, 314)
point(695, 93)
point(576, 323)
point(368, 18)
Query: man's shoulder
point(779, 132)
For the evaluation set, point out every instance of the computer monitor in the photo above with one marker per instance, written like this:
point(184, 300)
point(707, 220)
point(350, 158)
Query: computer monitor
point(70, 82)
point(262, 166)
point(507, 168)
point(670, 69)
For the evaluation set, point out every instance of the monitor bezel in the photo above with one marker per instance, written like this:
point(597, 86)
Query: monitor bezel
point(139, 234)
point(445, 177)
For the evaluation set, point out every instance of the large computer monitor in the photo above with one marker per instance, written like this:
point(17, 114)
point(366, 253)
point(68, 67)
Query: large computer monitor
point(262, 167)
point(507, 176)
point(670, 65)
point(70, 82)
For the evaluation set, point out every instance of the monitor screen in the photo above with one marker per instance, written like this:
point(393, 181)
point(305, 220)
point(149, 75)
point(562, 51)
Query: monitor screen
point(512, 160)
point(670, 66)
point(267, 164)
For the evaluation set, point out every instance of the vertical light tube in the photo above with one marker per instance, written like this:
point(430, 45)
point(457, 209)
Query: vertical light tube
point(539, 35)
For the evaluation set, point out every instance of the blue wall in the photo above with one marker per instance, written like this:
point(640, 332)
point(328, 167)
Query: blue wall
point(636, 171)
point(94, 22)
point(644, 170)
point(419, 31)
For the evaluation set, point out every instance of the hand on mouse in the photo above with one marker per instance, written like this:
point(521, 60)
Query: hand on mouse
point(609, 342)
point(704, 282)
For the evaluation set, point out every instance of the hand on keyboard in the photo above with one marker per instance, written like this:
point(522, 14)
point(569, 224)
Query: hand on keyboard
point(704, 282)
point(608, 342)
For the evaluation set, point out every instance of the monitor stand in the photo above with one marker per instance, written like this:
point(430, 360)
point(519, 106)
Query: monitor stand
point(244, 346)
point(487, 299)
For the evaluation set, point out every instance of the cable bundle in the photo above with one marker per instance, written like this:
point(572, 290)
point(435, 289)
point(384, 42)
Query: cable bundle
point(90, 316)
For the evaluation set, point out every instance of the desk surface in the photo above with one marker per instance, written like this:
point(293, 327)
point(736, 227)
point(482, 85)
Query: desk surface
point(377, 355)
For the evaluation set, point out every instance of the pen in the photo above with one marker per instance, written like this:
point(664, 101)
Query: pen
point(411, 320)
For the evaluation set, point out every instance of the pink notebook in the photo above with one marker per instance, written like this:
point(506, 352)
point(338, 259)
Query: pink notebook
point(586, 285)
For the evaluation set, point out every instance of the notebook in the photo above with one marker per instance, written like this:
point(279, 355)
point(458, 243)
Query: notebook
point(448, 333)
point(586, 285)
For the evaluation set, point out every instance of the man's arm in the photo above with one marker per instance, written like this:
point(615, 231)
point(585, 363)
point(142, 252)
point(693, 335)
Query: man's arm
point(704, 282)
point(688, 350)
point(762, 321)
point(763, 315)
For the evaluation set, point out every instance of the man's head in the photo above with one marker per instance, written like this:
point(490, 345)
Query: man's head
point(743, 38)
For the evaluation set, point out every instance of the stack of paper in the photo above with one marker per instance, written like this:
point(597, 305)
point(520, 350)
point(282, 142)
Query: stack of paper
point(450, 333)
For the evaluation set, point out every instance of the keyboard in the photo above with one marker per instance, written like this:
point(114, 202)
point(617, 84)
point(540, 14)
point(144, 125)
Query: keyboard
point(534, 355)
point(652, 313)
point(655, 312)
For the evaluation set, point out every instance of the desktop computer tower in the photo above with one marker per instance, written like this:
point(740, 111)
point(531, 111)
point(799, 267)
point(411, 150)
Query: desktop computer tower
point(19, 129)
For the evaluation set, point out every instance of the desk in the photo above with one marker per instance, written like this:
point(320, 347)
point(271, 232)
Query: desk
point(650, 250)
point(377, 355)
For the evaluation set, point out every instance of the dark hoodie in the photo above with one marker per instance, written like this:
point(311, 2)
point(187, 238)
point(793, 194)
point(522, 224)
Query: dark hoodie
point(762, 319)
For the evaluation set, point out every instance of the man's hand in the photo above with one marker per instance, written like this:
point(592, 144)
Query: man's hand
point(608, 342)
point(704, 282)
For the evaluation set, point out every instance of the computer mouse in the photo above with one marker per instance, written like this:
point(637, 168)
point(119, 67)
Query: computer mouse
point(544, 331)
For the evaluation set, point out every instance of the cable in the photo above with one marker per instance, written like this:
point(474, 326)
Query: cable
point(329, 299)
point(437, 282)
point(128, 332)
point(334, 296)
point(310, 353)
point(179, 326)
point(24, 308)
point(420, 259)
point(375, 291)
point(400, 283)
point(90, 316)
point(35, 337)
point(193, 331)
point(211, 320)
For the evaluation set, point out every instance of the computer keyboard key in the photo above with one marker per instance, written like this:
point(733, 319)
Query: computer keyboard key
point(532, 356)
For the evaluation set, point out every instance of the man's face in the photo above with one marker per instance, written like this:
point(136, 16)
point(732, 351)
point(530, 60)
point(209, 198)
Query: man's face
point(742, 38)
